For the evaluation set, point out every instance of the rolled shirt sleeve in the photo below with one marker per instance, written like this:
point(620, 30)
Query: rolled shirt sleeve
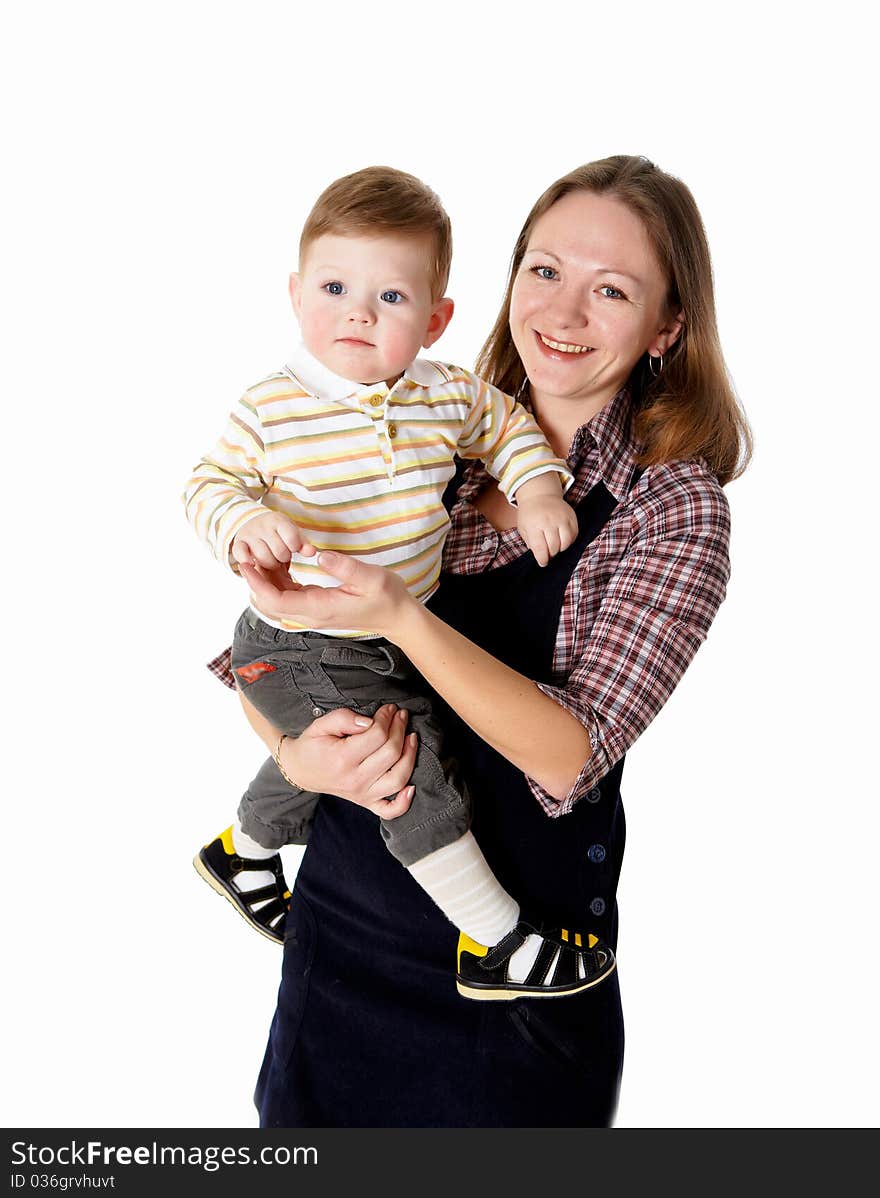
point(655, 613)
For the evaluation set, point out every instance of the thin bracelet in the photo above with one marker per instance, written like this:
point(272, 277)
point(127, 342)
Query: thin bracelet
point(276, 757)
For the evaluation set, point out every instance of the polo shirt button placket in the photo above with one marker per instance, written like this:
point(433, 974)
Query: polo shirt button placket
point(391, 434)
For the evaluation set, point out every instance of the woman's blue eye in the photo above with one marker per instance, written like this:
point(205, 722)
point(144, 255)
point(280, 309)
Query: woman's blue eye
point(544, 272)
point(334, 288)
point(606, 287)
point(391, 297)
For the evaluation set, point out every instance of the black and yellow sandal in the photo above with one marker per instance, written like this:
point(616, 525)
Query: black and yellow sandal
point(567, 963)
point(265, 908)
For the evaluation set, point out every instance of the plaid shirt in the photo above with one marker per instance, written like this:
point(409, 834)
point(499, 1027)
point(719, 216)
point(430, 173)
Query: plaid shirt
point(640, 601)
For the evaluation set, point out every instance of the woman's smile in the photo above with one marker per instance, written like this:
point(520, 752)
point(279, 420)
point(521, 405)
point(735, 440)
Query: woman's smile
point(564, 347)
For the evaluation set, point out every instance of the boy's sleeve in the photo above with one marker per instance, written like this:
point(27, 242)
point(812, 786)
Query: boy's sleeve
point(507, 439)
point(227, 485)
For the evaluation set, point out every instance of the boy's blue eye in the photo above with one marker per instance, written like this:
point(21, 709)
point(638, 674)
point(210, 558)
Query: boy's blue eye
point(391, 297)
point(334, 288)
point(616, 292)
point(544, 272)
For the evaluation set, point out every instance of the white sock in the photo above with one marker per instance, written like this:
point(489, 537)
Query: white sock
point(524, 958)
point(459, 880)
point(246, 846)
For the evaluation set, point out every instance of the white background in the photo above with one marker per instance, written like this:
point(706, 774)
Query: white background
point(159, 160)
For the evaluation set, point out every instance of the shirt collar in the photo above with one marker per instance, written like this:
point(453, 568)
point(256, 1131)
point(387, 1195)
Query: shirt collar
point(610, 430)
point(314, 377)
point(427, 374)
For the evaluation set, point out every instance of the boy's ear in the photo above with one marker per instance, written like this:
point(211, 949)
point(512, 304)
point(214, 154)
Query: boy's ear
point(441, 314)
point(295, 296)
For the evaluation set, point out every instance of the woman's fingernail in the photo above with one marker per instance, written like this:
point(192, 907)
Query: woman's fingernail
point(409, 792)
point(413, 739)
point(362, 722)
point(401, 715)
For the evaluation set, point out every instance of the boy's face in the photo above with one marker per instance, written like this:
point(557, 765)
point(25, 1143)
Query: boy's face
point(364, 304)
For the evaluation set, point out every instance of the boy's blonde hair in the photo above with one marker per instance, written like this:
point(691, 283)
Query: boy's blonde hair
point(380, 199)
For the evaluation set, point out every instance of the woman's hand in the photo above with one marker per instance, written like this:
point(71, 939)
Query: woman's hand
point(371, 598)
point(368, 766)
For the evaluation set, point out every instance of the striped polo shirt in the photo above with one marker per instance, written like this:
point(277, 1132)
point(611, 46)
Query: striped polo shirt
point(361, 469)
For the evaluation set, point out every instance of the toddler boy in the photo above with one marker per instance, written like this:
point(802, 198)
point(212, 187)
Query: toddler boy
point(349, 448)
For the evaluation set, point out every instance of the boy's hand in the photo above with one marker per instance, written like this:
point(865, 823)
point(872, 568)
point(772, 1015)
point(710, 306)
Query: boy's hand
point(547, 524)
point(269, 540)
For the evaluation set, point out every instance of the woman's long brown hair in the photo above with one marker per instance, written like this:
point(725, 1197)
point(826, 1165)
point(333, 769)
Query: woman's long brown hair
point(691, 409)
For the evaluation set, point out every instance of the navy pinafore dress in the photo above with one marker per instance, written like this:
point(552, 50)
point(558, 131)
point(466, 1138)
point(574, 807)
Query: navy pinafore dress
point(369, 1029)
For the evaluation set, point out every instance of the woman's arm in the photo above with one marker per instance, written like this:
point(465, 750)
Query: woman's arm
point(648, 619)
point(503, 707)
point(655, 611)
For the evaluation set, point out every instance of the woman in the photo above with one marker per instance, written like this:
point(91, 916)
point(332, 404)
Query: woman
point(608, 331)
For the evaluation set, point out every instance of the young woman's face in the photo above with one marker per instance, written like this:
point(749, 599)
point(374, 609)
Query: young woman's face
point(588, 301)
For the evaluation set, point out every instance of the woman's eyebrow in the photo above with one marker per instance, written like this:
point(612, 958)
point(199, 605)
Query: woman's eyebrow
point(615, 270)
point(599, 270)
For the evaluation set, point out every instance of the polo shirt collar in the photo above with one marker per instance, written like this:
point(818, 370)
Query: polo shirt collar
point(315, 378)
point(427, 374)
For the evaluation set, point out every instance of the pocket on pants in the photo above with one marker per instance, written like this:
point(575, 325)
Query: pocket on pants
point(360, 655)
point(276, 688)
point(582, 1034)
point(368, 674)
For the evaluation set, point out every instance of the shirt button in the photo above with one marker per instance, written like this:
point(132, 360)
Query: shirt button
point(594, 795)
point(597, 906)
point(596, 853)
point(486, 544)
point(316, 711)
point(376, 401)
point(392, 431)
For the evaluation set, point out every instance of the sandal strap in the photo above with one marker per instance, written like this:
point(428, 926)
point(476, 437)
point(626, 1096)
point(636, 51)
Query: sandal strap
point(504, 949)
point(271, 865)
point(566, 970)
point(261, 893)
point(544, 959)
point(272, 910)
point(591, 962)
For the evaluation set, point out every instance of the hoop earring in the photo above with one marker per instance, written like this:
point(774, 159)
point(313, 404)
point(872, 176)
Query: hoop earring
point(523, 395)
point(651, 361)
